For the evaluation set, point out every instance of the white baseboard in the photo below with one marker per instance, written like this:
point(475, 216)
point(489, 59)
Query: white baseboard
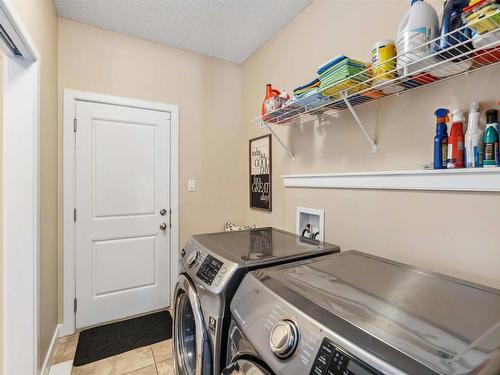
point(46, 366)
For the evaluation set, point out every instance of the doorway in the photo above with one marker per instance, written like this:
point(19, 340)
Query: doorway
point(120, 208)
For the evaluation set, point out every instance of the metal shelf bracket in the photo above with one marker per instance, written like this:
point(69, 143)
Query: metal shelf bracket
point(358, 121)
point(264, 124)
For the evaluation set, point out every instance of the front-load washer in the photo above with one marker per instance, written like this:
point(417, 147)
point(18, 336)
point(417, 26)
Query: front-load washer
point(356, 314)
point(211, 268)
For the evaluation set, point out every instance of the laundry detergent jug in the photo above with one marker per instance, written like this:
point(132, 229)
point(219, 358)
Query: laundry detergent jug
point(419, 27)
point(453, 30)
point(273, 101)
point(453, 33)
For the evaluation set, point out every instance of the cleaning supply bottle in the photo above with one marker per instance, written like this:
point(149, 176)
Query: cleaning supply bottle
point(474, 139)
point(491, 139)
point(452, 20)
point(441, 139)
point(419, 26)
point(269, 105)
point(455, 157)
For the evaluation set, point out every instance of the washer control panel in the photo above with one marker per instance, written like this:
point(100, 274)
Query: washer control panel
point(209, 269)
point(331, 360)
point(193, 258)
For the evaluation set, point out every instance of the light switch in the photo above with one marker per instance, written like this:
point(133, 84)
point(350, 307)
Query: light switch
point(191, 185)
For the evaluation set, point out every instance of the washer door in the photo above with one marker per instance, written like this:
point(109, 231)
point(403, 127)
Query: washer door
point(245, 367)
point(191, 347)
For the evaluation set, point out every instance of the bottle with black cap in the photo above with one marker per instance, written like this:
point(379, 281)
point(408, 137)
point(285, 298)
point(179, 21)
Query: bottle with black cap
point(491, 156)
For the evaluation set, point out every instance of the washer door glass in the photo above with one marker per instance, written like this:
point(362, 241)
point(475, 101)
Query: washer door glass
point(186, 335)
point(245, 367)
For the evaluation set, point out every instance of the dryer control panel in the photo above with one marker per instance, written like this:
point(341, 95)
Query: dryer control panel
point(330, 360)
point(209, 269)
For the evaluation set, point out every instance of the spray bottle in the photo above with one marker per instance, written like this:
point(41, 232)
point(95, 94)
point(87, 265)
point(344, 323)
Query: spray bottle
point(491, 139)
point(455, 157)
point(474, 139)
point(441, 139)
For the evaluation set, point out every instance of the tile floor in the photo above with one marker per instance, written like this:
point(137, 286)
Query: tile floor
point(153, 359)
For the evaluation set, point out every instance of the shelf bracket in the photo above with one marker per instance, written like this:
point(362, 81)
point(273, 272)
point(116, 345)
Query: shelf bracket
point(358, 121)
point(266, 125)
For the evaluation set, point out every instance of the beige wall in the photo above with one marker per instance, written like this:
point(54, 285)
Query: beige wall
point(1, 207)
point(40, 18)
point(453, 233)
point(208, 92)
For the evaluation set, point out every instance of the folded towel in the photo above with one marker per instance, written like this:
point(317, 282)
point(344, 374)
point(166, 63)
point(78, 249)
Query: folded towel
point(340, 59)
point(330, 63)
point(311, 84)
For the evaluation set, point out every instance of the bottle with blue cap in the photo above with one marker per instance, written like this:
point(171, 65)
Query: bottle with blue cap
point(441, 139)
point(419, 26)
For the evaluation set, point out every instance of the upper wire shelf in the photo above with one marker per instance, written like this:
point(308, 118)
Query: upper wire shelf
point(411, 70)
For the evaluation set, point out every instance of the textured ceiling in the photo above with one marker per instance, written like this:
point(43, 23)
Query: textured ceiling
point(227, 29)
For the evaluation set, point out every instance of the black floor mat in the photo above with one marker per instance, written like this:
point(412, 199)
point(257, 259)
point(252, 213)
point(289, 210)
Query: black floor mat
point(115, 338)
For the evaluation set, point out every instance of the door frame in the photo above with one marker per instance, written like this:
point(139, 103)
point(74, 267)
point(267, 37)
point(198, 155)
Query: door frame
point(71, 97)
point(20, 198)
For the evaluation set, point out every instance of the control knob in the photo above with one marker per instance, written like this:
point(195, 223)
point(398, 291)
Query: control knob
point(284, 338)
point(192, 258)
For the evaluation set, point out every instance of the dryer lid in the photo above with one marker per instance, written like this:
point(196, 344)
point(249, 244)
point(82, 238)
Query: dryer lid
point(261, 245)
point(445, 323)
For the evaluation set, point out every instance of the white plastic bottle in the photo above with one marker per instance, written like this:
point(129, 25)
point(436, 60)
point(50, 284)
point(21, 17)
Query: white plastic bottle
point(474, 151)
point(419, 26)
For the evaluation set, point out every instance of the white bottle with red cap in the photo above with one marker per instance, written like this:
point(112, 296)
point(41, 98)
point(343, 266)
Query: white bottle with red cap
point(456, 141)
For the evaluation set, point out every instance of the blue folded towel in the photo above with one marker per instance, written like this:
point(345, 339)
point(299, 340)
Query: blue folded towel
point(316, 80)
point(331, 63)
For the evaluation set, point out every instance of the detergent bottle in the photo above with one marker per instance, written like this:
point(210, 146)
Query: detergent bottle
point(474, 139)
point(452, 20)
point(491, 139)
point(272, 100)
point(441, 139)
point(455, 157)
point(419, 26)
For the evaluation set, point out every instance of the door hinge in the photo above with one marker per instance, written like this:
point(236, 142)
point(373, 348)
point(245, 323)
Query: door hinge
point(74, 215)
point(75, 124)
point(75, 305)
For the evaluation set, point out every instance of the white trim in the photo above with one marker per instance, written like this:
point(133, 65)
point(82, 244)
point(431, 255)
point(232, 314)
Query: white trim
point(478, 179)
point(20, 198)
point(70, 99)
point(46, 366)
point(174, 199)
point(21, 213)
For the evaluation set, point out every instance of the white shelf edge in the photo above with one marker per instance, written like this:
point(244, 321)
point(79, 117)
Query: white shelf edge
point(473, 179)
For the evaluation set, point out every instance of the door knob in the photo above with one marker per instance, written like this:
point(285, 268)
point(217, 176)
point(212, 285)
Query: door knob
point(163, 212)
point(163, 226)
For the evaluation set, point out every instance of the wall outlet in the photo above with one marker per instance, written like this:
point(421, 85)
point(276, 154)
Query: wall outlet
point(191, 185)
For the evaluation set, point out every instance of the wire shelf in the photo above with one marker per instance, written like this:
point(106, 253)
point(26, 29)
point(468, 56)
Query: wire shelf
point(459, 53)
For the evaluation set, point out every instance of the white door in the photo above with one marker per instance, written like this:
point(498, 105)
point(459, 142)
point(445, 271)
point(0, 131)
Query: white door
point(122, 200)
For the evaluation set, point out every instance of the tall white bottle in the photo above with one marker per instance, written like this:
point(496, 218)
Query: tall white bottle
point(474, 149)
point(418, 27)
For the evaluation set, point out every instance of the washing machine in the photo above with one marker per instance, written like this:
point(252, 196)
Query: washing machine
point(211, 268)
point(352, 313)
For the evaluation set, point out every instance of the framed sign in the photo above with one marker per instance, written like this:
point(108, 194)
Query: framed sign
point(260, 173)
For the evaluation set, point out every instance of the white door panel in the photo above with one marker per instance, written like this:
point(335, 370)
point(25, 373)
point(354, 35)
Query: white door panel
point(136, 268)
point(122, 151)
point(122, 183)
